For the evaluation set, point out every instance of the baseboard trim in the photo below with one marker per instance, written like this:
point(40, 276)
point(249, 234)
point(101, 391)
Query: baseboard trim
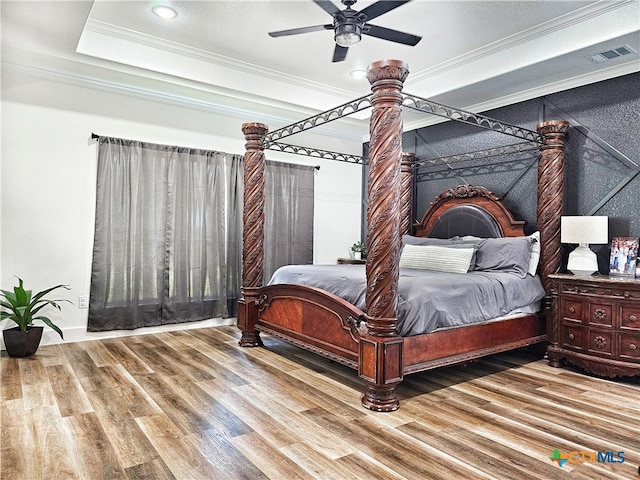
point(80, 334)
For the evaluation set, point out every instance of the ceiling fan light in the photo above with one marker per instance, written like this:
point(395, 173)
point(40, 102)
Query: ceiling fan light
point(347, 34)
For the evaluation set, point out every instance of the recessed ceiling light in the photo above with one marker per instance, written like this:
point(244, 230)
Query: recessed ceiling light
point(164, 11)
point(358, 73)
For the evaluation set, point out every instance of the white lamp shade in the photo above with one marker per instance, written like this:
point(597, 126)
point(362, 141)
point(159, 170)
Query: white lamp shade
point(585, 229)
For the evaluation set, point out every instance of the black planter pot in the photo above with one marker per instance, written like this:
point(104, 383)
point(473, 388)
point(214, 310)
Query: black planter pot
point(22, 344)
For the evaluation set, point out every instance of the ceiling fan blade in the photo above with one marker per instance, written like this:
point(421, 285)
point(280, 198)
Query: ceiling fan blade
point(327, 6)
point(380, 7)
point(391, 35)
point(340, 53)
point(296, 31)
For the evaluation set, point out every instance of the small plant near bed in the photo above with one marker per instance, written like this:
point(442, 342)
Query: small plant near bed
point(23, 308)
point(359, 249)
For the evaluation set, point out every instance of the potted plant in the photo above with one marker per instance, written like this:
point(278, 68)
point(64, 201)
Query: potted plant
point(359, 250)
point(22, 307)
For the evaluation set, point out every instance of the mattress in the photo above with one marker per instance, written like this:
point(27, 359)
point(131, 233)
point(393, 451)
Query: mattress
point(428, 300)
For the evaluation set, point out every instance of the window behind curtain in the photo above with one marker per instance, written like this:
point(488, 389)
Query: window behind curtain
point(168, 225)
point(168, 235)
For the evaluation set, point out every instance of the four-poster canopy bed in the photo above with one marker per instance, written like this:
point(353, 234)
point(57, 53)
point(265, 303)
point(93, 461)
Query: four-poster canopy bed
point(366, 338)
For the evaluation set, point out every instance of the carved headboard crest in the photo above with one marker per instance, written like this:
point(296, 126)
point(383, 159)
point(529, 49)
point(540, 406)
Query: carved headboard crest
point(464, 206)
point(465, 191)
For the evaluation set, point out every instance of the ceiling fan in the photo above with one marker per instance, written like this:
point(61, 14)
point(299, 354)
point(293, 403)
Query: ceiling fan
point(349, 25)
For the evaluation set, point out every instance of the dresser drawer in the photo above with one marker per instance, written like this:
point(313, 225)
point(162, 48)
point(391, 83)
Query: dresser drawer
point(600, 342)
point(630, 347)
point(570, 308)
point(601, 314)
point(571, 336)
point(630, 316)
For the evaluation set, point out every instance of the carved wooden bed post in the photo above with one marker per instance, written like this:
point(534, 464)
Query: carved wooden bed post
point(406, 191)
point(380, 363)
point(253, 232)
point(550, 196)
point(550, 206)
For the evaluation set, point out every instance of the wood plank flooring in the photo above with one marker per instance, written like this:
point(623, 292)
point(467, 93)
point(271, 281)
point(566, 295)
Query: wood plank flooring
point(194, 405)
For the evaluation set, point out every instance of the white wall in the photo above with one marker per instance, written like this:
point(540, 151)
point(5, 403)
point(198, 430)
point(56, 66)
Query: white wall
point(48, 175)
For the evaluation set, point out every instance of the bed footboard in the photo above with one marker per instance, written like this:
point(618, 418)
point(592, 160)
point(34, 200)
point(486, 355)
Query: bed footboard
point(304, 316)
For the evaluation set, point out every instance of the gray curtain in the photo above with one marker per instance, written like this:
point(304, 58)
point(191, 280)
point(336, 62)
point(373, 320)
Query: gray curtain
point(288, 228)
point(167, 245)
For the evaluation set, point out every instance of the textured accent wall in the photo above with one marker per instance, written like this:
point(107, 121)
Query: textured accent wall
point(602, 173)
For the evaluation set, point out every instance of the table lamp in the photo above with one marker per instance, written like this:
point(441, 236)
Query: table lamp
point(583, 231)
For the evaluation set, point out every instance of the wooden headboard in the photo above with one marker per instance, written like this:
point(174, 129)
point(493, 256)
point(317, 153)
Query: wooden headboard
point(468, 210)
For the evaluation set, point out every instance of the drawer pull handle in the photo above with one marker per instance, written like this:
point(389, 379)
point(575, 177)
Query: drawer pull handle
point(572, 310)
point(632, 346)
point(572, 336)
point(600, 341)
point(626, 294)
point(633, 318)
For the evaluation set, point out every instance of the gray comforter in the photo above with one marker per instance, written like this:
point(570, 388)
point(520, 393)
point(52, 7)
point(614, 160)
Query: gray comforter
point(428, 300)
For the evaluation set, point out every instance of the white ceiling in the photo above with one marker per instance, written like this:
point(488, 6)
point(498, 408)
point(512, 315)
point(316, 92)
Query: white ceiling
point(217, 55)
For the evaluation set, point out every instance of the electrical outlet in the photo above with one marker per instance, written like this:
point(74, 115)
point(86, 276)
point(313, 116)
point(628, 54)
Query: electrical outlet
point(83, 301)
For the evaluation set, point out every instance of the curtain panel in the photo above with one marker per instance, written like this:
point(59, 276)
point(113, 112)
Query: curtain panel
point(168, 231)
point(288, 212)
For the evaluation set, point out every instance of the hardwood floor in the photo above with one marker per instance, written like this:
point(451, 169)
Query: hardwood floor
point(194, 405)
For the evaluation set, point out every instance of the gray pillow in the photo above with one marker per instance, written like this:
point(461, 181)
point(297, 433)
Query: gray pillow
point(510, 254)
point(535, 250)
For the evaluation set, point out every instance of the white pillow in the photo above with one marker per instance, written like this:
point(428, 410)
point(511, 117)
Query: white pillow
point(535, 253)
point(440, 259)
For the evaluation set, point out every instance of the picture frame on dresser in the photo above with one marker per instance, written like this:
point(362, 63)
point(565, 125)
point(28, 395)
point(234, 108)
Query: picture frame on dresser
point(624, 255)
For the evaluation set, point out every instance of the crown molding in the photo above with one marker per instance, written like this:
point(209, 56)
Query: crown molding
point(78, 80)
point(247, 108)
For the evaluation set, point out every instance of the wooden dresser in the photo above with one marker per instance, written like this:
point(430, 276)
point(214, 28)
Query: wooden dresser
point(594, 323)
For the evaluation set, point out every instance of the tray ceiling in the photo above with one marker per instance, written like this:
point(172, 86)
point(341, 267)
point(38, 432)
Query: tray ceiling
point(217, 54)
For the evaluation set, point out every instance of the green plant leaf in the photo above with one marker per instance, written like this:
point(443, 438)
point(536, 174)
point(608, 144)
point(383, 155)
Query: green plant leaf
point(49, 323)
point(5, 315)
point(6, 305)
point(37, 306)
point(8, 294)
point(41, 294)
point(22, 295)
point(11, 298)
